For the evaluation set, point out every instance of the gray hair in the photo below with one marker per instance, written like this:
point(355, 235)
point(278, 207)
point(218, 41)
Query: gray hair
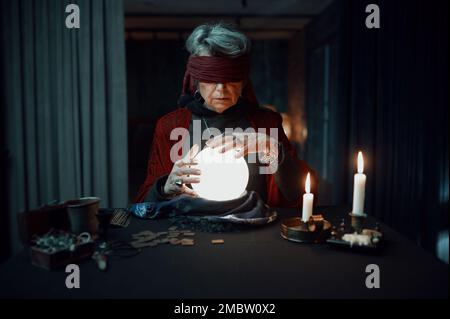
point(217, 39)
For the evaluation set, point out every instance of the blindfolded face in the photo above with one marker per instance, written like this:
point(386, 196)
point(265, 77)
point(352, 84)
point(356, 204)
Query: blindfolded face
point(220, 96)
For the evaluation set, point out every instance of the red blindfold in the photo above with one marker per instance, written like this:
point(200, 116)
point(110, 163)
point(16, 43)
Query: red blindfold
point(212, 69)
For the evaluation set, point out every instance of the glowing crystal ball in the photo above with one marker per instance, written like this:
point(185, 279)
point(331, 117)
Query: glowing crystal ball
point(224, 177)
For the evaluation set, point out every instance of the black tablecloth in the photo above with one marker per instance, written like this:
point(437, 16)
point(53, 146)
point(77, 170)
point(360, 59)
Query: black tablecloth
point(257, 263)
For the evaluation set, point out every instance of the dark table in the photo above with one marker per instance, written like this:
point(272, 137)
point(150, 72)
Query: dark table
point(256, 263)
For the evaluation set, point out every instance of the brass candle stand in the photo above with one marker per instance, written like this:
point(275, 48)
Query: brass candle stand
point(315, 230)
point(357, 221)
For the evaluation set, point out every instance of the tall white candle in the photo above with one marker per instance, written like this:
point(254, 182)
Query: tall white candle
point(359, 188)
point(308, 199)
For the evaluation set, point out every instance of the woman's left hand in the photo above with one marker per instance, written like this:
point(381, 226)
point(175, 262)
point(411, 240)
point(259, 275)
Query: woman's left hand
point(246, 143)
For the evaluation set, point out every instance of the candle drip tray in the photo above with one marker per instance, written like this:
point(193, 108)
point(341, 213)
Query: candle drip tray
point(316, 230)
point(368, 241)
point(357, 238)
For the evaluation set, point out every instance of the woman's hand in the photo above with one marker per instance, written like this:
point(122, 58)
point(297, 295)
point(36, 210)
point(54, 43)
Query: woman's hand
point(181, 175)
point(246, 143)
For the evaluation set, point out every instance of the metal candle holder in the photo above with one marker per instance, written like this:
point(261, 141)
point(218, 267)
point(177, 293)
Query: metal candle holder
point(315, 230)
point(357, 221)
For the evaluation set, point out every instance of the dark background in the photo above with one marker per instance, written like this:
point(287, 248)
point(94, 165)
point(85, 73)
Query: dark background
point(4, 231)
point(383, 91)
point(388, 97)
point(343, 88)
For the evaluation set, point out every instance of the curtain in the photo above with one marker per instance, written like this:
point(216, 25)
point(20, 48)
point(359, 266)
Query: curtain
point(64, 105)
point(399, 113)
point(391, 102)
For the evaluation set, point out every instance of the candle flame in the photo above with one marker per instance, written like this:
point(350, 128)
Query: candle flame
point(308, 184)
point(360, 163)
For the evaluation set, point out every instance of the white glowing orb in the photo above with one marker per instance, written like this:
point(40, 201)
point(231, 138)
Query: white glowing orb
point(223, 177)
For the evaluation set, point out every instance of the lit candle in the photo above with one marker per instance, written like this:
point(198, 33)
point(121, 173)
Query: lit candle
point(359, 188)
point(307, 201)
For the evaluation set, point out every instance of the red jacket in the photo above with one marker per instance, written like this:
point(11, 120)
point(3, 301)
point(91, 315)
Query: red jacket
point(160, 163)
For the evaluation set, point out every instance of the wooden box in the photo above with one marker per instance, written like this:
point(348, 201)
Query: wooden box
point(59, 259)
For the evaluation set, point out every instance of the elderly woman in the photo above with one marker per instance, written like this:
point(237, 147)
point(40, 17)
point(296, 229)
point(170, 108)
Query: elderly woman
point(217, 93)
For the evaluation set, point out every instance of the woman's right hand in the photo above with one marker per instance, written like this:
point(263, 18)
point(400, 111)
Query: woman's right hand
point(181, 174)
